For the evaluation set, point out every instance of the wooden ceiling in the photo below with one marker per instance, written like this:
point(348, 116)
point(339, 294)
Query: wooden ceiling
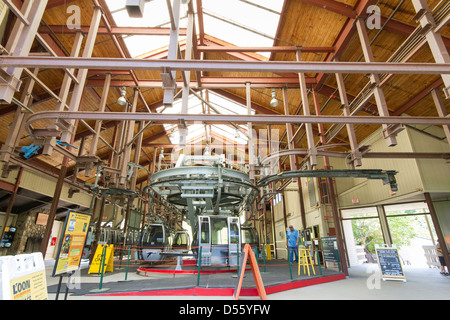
point(305, 23)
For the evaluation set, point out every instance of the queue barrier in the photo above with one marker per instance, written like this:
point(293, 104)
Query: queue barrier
point(129, 258)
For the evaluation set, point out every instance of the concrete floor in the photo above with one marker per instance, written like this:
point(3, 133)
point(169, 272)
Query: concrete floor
point(364, 283)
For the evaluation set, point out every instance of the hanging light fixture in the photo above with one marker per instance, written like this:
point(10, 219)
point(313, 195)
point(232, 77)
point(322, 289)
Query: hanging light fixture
point(185, 1)
point(274, 101)
point(207, 152)
point(122, 100)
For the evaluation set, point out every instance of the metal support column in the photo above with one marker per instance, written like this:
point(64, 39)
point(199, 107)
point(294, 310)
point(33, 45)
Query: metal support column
point(169, 76)
point(384, 225)
point(50, 142)
point(128, 144)
point(434, 38)
point(251, 142)
point(137, 154)
point(438, 228)
point(98, 227)
point(68, 128)
point(338, 226)
point(98, 123)
point(17, 125)
point(19, 45)
point(312, 157)
point(293, 158)
point(356, 155)
point(389, 132)
point(442, 111)
point(54, 206)
point(182, 128)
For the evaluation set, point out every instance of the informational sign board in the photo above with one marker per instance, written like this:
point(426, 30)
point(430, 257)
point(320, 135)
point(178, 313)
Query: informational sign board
point(72, 243)
point(108, 257)
point(329, 249)
point(390, 264)
point(22, 277)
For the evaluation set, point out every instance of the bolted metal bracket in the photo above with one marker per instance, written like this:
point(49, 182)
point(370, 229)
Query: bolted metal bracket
point(392, 131)
point(169, 86)
point(447, 92)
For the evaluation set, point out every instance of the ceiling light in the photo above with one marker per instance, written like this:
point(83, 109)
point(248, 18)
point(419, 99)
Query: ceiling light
point(207, 152)
point(122, 100)
point(274, 101)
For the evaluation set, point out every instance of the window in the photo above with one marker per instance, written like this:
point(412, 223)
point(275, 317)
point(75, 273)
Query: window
point(219, 231)
point(204, 231)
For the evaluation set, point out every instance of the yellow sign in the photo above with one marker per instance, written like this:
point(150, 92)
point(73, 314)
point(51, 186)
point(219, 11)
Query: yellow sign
point(30, 287)
point(108, 253)
point(72, 242)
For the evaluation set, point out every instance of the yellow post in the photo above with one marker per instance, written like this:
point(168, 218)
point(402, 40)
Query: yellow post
point(268, 252)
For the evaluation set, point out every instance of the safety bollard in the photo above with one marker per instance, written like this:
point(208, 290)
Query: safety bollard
point(264, 258)
point(237, 259)
point(289, 262)
point(102, 268)
point(318, 260)
point(199, 265)
point(128, 262)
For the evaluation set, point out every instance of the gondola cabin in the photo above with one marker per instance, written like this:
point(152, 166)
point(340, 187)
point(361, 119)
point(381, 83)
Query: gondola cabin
point(156, 238)
point(219, 239)
point(182, 242)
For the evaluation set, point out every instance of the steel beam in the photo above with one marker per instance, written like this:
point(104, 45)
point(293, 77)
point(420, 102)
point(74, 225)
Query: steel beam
point(237, 119)
point(169, 76)
point(13, 137)
point(442, 111)
point(264, 49)
point(127, 144)
point(389, 133)
point(208, 82)
point(118, 31)
point(19, 44)
point(434, 38)
point(187, 78)
point(224, 66)
point(67, 133)
point(98, 124)
point(356, 155)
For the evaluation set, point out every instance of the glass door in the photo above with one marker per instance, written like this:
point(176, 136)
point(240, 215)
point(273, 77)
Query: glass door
point(234, 236)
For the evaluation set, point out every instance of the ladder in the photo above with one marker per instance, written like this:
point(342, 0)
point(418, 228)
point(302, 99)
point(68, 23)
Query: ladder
point(325, 200)
point(304, 259)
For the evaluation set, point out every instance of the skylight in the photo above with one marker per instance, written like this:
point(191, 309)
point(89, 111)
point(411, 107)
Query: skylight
point(240, 22)
point(195, 106)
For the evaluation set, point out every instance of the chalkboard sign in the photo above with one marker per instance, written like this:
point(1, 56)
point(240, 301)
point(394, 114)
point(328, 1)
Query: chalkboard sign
point(329, 249)
point(390, 265)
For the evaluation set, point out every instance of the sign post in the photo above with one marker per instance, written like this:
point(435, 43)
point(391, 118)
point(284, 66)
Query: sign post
point(389, 263)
